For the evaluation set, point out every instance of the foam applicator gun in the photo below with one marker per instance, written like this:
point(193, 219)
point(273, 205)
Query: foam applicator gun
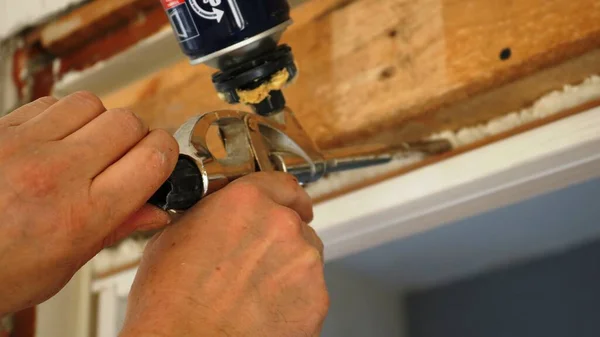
point(240, 39)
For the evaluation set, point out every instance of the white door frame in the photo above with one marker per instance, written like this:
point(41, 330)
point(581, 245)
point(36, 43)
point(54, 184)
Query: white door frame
point(533, 163)
point(110, 290)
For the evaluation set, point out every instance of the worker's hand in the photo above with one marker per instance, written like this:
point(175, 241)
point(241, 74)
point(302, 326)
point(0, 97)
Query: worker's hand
point(73, 179)
point(243, 262)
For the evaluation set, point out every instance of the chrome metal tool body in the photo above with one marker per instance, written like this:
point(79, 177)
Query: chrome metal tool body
point(254, 143)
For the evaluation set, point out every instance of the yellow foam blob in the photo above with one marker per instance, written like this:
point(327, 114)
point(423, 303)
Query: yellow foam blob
point(257, 95)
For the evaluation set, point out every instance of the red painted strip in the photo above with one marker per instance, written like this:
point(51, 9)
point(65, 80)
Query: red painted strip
point(168, 4)
point(20, 60)
point(24, 323)
point(114, 43)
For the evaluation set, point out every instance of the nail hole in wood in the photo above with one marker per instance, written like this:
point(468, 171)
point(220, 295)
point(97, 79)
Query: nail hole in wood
point(387, 73)
point(505, 54)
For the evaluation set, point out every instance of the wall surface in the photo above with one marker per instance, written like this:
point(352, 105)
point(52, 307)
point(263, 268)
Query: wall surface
point(556, 296)
point(533, 228)
point(360, 307)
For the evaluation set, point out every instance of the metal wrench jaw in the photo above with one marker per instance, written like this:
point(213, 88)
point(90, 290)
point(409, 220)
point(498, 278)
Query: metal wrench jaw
point(251, 143)
point(255, 143)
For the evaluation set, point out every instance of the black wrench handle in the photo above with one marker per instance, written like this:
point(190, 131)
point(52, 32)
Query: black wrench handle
point(183, 189)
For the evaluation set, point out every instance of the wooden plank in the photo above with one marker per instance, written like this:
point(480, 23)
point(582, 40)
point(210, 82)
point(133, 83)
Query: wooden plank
point(109, 45)
point(20, 15)
point(371, 66)
point(95, 19)
point(81, 38)
point(512, 96)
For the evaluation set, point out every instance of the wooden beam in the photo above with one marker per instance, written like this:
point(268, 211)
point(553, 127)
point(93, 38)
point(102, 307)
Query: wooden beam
point(372, 67)
point(498, 101)
point(105, 47)
point(93, 20)
point(81, 38)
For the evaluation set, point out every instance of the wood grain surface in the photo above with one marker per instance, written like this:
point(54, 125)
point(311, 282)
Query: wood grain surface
point(403, 68)
point(91, 21)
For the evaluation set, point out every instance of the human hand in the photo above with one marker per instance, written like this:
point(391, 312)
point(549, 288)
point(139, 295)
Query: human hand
point(243, 262)
point(74, 178)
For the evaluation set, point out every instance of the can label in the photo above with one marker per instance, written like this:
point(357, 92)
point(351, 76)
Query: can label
point(204, 27)
point(168, 4)
point(181, 19)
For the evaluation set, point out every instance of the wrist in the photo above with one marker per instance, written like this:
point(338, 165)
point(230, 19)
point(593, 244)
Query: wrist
point(145, 333)
point(129, 332)
point(167, 328)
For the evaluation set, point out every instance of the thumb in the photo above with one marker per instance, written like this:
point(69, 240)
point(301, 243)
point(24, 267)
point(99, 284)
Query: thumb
point(145, 219)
